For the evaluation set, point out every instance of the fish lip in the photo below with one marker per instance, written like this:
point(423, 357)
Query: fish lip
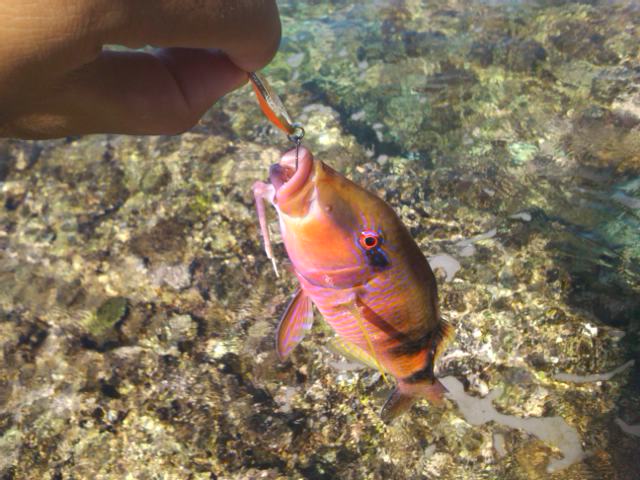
point(287, 188)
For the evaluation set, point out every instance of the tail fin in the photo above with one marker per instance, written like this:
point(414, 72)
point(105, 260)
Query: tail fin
point(423, 384)
point(406, 394)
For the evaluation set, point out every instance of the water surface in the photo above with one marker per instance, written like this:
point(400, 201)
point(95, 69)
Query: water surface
point(137, 308)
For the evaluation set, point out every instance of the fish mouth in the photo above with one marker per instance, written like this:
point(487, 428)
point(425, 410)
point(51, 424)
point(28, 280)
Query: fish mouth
point(286, 178)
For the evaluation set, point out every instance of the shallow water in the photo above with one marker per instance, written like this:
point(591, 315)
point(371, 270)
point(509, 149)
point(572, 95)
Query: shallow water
point(137, 308)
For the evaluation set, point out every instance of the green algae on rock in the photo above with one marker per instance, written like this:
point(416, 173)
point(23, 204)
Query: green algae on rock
point(108, 315)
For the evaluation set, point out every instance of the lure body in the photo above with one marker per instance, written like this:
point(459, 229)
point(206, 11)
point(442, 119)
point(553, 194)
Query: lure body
point(273, 108)
point(357, 263)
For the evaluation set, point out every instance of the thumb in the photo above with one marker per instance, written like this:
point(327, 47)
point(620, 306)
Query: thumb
point(131, 92)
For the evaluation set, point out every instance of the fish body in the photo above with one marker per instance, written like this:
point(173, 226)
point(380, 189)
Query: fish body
point(358, 264)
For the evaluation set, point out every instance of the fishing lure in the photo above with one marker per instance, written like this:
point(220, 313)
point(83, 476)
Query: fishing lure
point(274, 109)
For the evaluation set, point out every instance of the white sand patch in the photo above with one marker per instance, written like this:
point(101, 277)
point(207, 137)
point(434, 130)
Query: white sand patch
point(594, 377)
point(553, 430)
point(447, 263)
point(630, 429)
point(524, 216)
point(498, 445)
point(483, 236)
point(626, 200)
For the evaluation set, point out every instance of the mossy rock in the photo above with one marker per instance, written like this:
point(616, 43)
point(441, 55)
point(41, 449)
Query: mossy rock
point(112, 311)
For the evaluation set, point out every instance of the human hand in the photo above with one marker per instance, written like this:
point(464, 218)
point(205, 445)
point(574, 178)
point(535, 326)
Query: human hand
point(56, 79)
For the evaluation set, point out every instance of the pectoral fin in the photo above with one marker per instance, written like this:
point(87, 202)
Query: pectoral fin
point(295, 323)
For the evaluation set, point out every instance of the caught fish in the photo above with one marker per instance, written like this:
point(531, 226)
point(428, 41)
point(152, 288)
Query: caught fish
point(357, 263)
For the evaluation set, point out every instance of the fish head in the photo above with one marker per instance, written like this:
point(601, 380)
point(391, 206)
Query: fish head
point(336, 233)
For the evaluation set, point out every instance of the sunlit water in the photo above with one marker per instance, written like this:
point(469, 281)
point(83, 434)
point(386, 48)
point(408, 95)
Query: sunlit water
point(137, 308)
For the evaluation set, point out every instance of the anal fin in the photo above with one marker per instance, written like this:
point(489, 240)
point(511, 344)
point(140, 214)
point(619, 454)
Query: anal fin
point(354, 352)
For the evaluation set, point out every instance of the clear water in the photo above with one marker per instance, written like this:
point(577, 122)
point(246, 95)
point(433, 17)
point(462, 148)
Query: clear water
point(137, 308)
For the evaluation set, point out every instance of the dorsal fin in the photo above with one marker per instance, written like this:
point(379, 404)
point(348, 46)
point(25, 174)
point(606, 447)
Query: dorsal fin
point(441, 338)
point(295, 323)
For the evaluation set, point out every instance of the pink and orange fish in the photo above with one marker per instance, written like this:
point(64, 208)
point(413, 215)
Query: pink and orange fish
point(357, 263)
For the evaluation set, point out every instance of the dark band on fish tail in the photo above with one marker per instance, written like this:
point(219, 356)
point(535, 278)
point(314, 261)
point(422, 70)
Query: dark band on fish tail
point(433, 342)
point(426, 372)
point(410, 344)
point(421, 375)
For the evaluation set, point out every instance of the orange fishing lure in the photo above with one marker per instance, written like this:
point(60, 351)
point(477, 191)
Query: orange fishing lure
point(273, 108)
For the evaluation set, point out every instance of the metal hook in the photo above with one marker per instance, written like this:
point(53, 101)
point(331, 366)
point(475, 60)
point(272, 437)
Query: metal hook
point(296, 137)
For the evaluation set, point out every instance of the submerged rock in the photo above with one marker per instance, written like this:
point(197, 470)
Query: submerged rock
point(519, 55)
point(579, 39)
point(102, 327)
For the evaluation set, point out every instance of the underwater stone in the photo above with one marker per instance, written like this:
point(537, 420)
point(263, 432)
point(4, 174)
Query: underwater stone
point(602, 138)
point(165, 241)
point(107, 316)
point(177, 277)
point(608, 84)
point(155, 178)
point(482, 52)
point(5, 394)
point(521, 152)
point(71, 293)
point(524, 56)
point(6, 161)
point(580, 40)
point(181, 328)
point(418, 44)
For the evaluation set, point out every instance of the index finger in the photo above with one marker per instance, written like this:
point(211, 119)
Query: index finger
point(247, 31)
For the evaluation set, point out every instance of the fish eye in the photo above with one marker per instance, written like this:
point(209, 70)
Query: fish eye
point(369, 240)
